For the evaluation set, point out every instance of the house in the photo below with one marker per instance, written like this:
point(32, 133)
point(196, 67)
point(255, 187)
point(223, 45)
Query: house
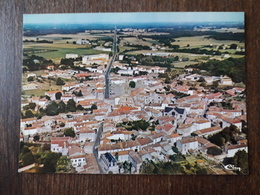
point(109, 163)
point(226, 80)
point(153, 112)
point(121, 146)
point(98, 58)
point(201, 123)
point(232, 149)
point(121, 156)
point(124, 100)
point(184, 129)
point(83, 42)
point(145, 155)
point(179, 113)
point(31, 75)
point(167, 149)
point(187, 145)
point(226, 122)
point(60, 145)
point(144, 141)
point(173, 138)
point(52, 94)
point(26, 122)
point(86, 134)
point(29, 131)
point(102, 48)
point(205, 144)
point(71, 55)
point(158, 137)
point(78, 160)
point(30, 86)
point(66, 98)
point(136, 161)
point(208, 131)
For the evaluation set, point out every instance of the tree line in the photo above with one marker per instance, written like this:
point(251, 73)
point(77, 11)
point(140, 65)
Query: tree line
point(232, 67)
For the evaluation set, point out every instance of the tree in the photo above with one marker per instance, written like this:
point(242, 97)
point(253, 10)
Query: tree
point(62, 124)
point(240, 159)
point(180, 82)
point(79, 107)
point(30, 78)
point(79, 94)
point(59, 81)
point(67, 61)
point(93, 107)
point(28, 159)
point(52, 109)
point(58, 95)
point(71, 105)
point(201, 79)
point(168, 69)
point(36, 138)
point(61, 107)
point(69, 132)
point(215, 84)
point(185, 59)
point(176, 58)
point(214, 151)
point(63, 165)
point(167, 80)
point(32, 105)
point(175, 149)
point(233, 46)
point(50, 162)
point(132, 84)
point(29, 114)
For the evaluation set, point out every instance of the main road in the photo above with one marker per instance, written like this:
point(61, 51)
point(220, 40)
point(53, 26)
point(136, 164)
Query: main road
point(100, 129)
point(95, 146)
point(111, 61)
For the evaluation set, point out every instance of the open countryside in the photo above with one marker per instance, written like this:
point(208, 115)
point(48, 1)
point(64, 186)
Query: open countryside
point(134, 98)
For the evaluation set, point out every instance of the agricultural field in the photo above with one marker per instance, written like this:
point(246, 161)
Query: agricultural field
point(199, 41)
point(62, 44)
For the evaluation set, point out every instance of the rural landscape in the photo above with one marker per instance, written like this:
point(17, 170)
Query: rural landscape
point(134, 93)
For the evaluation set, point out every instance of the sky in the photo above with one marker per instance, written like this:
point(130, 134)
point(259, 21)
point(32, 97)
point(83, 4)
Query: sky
point(133, 17)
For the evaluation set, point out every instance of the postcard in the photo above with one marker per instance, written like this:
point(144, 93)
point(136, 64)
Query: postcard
point(134, 93)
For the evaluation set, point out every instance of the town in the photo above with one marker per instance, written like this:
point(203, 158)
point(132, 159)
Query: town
point(134, 105)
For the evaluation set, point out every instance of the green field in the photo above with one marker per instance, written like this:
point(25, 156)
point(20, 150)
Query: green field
point(60, 44)
point(62, 50)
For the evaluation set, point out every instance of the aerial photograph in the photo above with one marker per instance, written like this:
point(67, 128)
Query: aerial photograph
point(134, 93)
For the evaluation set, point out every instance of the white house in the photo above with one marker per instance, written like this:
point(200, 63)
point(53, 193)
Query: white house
point(30, 131)
point(30, 86)
point(226, 122)
point(60, 145)
point(187, 145)
point(86, 135)
point(83, 42)
point(201, 123)
point(232, 149)
point(71, 55)
point(226, 80)
point(78, 160)
point(91, 59)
